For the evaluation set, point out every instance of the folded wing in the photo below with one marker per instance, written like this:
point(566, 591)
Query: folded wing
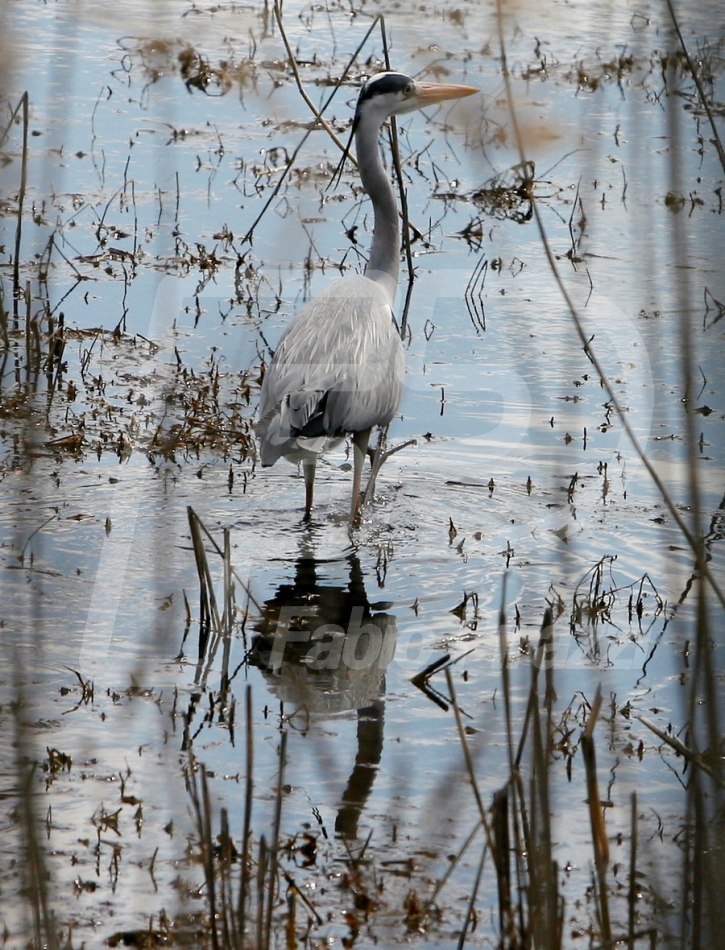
point(337, 370)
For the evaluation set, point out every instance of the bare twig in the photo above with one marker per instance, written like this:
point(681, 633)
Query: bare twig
point(700, 89)
point(403, 197)
point(673, 742)
point(220, 552)
point(21, 202)
point(246, 828)
point(319, 118)
point(318, 113)
point(274, 858)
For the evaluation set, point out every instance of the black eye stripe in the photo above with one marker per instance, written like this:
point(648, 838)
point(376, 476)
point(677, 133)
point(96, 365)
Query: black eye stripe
point(383, 84)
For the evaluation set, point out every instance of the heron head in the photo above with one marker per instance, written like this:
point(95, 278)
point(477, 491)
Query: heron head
point(392, 93)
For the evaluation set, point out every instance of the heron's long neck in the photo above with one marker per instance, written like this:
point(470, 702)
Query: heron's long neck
point(384, 257)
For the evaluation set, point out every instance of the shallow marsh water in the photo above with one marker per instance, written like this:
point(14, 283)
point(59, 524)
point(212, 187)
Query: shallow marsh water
point(521, 470)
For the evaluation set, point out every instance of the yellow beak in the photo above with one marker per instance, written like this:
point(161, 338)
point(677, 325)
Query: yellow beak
point(429, 93)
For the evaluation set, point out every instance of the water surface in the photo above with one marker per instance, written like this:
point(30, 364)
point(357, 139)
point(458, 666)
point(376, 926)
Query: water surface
point(521, 469)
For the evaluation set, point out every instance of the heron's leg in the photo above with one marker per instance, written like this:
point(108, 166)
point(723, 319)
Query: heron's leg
point(377, 456)
point(308, 468)
point(360, 447)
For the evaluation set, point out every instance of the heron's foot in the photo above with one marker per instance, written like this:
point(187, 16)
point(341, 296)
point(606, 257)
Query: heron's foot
point(378, 457)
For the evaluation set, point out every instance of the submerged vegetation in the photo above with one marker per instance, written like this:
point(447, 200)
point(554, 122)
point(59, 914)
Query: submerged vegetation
point(172, 653)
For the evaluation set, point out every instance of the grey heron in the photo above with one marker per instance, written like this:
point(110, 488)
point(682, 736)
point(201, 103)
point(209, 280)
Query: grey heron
point(338, 369)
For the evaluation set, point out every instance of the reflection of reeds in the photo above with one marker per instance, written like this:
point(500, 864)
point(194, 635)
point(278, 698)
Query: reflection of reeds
point(235, 919)
point(211, 621)
point(37, 878)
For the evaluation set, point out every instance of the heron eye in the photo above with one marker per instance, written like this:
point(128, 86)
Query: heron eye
point(408, 91)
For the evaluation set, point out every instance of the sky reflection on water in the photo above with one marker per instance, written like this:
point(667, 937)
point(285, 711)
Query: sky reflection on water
point(125, 152)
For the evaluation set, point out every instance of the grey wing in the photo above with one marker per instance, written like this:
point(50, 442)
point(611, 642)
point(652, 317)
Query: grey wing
point(338, 369)
point(370, 396)
point(291, 413)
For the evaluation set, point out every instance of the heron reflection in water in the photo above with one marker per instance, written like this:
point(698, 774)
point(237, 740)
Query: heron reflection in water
point(338, 369)
point(323, 648)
